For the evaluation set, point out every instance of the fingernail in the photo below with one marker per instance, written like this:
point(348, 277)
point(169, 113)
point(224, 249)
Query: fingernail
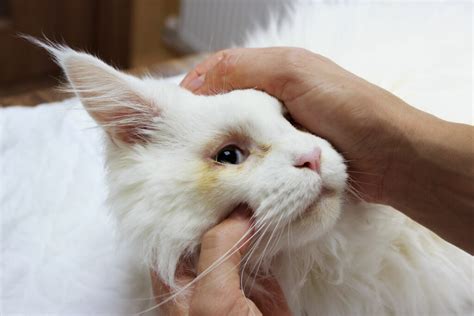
point(196, 83)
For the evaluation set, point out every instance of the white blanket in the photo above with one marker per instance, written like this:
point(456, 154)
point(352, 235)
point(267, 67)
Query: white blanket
point(60, 254)
point(59, 249)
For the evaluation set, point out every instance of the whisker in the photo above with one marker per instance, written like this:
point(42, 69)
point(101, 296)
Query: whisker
point(351, 180)
point(250, 253)
point(224, 257)
point(355, 193)
point(262, 256)
point(369, 173)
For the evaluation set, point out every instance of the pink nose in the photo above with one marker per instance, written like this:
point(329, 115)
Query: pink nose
point(311, 160)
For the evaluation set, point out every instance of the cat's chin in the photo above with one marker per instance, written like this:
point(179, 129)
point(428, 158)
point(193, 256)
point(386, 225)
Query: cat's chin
point(315, 204)
point(317, 219)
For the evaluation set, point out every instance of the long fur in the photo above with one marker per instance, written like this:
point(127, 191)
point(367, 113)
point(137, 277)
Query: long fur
point(332, 255)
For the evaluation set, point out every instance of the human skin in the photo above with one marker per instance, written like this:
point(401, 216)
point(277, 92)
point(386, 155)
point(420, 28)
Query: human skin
point(218, 292)
point(396, 155)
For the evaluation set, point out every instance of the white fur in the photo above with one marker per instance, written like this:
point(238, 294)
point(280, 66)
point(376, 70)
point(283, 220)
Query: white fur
point(342, 257)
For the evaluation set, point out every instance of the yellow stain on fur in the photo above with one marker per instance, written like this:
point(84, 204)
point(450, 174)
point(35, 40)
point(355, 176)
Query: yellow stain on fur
point(209, 173)
point(207, 177)
point(262, 150)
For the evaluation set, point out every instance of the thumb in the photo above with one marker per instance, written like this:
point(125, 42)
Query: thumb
point(222, 241)
point(218, 292)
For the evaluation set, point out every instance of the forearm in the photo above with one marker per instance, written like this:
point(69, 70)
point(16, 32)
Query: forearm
point(434, 178)
point(396, 154)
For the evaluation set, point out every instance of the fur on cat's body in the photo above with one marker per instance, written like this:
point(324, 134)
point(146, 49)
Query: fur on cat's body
point(377, 261)
point(342, 257)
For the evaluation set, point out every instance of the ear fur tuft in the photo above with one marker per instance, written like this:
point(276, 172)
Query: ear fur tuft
point(111, 97)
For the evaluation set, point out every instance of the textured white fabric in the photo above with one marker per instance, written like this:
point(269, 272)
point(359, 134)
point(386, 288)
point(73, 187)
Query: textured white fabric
point(59, 251)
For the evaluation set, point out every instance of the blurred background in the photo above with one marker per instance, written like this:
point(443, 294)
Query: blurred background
point(164, 37)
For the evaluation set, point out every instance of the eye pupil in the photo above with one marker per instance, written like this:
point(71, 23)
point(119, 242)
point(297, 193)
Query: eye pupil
point(229, 155)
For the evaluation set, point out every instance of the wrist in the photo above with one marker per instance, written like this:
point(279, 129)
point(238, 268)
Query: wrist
point(430, 179)
point(408, 162)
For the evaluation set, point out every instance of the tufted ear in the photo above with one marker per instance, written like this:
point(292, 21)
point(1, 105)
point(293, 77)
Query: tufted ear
point(113, 98)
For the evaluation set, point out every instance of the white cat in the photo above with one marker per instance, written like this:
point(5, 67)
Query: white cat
point(179, 163)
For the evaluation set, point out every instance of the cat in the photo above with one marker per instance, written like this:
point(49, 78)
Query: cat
point(178, 163)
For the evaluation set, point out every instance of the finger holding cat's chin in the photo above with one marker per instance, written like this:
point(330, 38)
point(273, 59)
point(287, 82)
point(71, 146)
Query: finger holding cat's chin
point(235, 226)
point(232, 233)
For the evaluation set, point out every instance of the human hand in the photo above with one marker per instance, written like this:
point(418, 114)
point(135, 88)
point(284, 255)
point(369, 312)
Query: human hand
point(396, 154)
point(219, 292)
point(364, 122)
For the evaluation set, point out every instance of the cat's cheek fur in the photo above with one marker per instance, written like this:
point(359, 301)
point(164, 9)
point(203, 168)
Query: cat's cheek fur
point(162, 226)
point(315, 225)
point(340, 258)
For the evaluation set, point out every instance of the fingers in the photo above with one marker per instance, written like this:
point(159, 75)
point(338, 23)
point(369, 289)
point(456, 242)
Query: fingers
point(273, 304)
point(218, 292)
point(226, 237)
point(161, 291)
point(194, 78)
point(266, 69)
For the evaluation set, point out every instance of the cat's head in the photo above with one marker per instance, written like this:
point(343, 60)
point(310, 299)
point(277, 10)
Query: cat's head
point(179, 163)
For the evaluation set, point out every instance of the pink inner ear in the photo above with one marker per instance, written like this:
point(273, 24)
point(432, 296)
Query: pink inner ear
point(130, 126)
point(130, 122)
point(112, 98)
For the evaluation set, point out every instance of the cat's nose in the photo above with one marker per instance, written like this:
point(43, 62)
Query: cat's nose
point(310, 160)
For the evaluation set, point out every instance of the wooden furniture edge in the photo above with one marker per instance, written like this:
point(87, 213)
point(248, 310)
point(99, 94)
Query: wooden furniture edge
point(169, 68)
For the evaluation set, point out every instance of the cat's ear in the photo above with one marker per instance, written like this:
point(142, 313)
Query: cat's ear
point(114, 99)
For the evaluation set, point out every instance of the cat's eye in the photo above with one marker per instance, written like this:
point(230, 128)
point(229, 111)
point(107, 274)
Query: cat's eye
point(231, 154)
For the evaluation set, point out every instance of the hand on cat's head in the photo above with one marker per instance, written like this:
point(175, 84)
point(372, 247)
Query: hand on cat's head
point(219, 292)
point(361, 120)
